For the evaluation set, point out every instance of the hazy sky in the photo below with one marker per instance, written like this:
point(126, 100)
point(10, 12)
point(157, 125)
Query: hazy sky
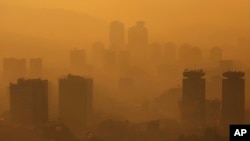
point(163, 17)
point(195, 11)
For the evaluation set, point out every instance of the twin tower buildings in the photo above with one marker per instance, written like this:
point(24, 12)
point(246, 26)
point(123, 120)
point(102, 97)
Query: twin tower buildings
point(29, 101)
point(193, 104)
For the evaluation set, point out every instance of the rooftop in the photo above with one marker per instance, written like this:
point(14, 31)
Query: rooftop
point(234, 74)
point(194, 73)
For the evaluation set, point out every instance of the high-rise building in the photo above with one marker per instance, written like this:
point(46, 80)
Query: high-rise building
point(77, 60)
point(29, 101)
point(138, 35)
point(75, 100)
point(193, 97)
point(14, 69)
point(233, 98)
point(116, 36)
point(138, 44)
point(36, 68)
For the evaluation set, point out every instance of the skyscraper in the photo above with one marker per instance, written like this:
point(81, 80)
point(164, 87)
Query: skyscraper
point(233, 98)
point(116, 36)
point(138, 35)
point(193, 97)
point(29, 101)
point(75, 100)
point(137, 43)
point(36, 67)
point(14, 69)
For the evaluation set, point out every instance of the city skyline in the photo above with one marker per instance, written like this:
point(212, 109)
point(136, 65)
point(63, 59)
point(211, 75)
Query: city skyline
point(129, 70)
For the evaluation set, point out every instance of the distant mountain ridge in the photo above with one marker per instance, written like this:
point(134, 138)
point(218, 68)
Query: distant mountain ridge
point(51, 23)
point(47, 33)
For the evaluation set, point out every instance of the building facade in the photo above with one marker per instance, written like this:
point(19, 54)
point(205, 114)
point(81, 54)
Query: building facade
point(233, 98)
point(116, 36)
point(29, 101)
point(193, 104)
point(75, 100)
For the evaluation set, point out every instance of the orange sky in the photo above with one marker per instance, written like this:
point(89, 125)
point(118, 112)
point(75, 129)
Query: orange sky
point(151, 10)
point(164, 18)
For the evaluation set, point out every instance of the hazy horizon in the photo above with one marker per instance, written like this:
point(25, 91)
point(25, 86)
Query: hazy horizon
point(166, 20)
point(123, 70)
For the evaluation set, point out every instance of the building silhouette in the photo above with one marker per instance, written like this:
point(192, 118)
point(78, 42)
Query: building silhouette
point(138, 44)
point(233, 98)
point(13, 69)
point(77, 60)
point(75, 100)
point(138, 35)
point(116, 36)
point(29, 101)
point(193, 98)
point(36, 67)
